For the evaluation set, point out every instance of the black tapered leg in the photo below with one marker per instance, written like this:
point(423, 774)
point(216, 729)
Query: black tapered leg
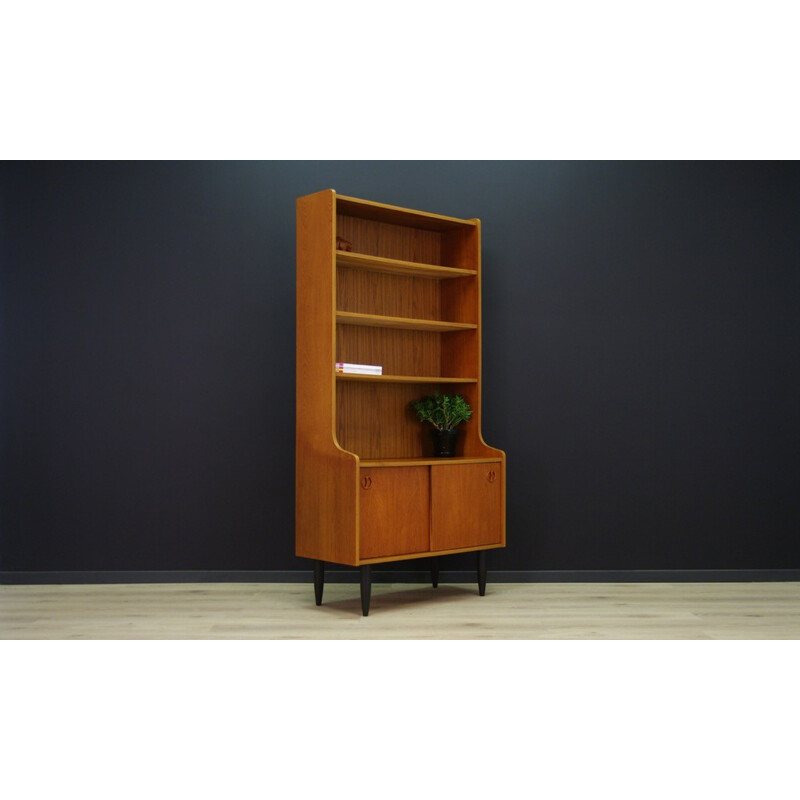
point(319, 580)
point(482, 572)
point(366, 589)
point(435, 572)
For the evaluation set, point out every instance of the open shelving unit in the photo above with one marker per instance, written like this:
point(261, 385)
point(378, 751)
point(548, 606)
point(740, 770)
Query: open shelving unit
point(407, 297)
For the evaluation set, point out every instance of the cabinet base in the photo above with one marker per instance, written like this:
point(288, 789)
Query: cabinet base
point(366, 579)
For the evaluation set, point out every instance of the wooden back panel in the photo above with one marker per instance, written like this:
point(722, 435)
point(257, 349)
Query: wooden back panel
point(388, 295)
point(376, 420)
point(385, 239)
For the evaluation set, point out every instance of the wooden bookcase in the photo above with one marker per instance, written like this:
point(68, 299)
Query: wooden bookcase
point(407, 297)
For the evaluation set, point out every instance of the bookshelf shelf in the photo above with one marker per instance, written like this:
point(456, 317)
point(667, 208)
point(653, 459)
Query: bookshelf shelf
point(423, 462)
point(394, 215)
point(394, 266)
point(406, 297)
point(350, 376)
point(405, 323)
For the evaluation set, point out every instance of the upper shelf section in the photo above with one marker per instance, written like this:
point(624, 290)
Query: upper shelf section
point(380, 212)
point(398, 267)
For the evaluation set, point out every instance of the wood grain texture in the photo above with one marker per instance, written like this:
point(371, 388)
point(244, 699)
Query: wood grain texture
point(404, 323)
point(399, 352)
point(391, 295)
point(399, 267)
point(407, 217)
point(395, 511)
point(270, 611)
point(385, 302)
point(375, 420)
point(326, 511)
point(466, 505)
point(410, 462)
point(429, 554)
point(388, 240)
point(461, 300)
point(423, 379)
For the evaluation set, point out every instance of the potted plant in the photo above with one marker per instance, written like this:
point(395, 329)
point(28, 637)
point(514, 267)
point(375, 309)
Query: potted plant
point(444, 412)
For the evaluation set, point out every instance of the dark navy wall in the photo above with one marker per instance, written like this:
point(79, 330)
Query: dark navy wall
point(641, 359)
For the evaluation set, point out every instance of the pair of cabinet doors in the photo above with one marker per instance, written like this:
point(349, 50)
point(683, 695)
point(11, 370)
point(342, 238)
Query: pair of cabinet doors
point(422, 509)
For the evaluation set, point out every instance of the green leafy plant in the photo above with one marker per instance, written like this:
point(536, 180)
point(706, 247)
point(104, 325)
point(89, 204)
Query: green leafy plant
point(443, 411)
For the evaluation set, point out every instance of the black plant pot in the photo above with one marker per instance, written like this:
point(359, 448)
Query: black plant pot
point(444, 443)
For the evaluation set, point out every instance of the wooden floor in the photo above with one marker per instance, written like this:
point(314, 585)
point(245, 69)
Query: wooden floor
point(403, 611)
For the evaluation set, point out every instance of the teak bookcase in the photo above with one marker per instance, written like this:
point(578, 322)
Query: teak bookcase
point(406, 297)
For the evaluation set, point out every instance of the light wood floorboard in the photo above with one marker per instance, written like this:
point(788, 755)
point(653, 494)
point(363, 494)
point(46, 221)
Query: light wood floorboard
point(403, 611)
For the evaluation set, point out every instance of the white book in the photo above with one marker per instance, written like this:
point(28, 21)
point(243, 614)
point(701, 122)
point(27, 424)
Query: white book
point(361, 369)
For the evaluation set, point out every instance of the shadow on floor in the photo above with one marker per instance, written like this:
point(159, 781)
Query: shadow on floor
point(386, 599)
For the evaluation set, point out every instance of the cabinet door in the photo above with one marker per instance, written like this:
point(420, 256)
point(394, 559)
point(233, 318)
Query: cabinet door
point(394, 511)
point(466, 505)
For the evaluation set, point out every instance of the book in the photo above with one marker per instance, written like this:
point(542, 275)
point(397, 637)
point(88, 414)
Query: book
point(366, 369)
point(358, 369)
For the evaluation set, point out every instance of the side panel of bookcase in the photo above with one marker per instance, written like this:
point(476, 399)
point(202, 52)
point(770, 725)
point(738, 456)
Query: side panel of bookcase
point(326, 477)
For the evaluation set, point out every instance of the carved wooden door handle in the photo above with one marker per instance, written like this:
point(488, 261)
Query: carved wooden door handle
point(366, 482)
point(491, 476)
